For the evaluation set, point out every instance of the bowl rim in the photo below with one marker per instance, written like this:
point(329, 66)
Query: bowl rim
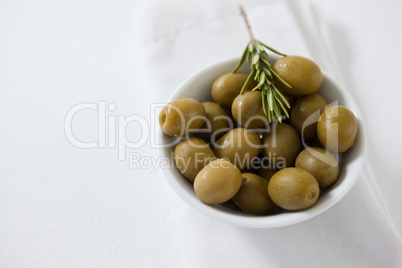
point(269, 221)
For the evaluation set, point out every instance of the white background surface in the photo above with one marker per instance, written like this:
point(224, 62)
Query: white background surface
point(61, 206)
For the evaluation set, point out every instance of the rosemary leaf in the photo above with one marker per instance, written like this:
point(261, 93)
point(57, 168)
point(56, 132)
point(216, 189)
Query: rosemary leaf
point(248, 82)
point(241, 61)
point(277, 113)
point(264, 99)
point(282, 97)
point(256, 58)
point(262, 81)
point(270, 116)
point(283, 107)
point(257, 74)
point(250, 47)
point(280, 79)
point(272, 49)
point(265, 62)
point(269, 73)
point(270, 100)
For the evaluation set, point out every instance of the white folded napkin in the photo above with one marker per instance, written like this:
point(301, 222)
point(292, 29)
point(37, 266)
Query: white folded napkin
point(179, 37)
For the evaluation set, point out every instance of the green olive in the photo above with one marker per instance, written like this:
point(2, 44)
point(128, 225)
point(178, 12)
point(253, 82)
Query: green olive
point(217, 122)
point(305, 114)
point(240, 146)
point(320, 163)
point(226, 88)
point(247, 110)
point(191, 156)
point(182, 117)
point(337, 128)
point(293, 189)
point(217, 182)
point(303, 74)
point(281, 145)
point(253, 197)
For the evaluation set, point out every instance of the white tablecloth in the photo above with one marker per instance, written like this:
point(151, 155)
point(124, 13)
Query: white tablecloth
point(64, 206)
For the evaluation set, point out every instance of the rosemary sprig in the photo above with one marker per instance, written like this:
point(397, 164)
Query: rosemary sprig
point(273, 101)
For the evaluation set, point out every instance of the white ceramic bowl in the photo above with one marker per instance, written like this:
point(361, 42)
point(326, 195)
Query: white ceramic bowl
point(198, 86)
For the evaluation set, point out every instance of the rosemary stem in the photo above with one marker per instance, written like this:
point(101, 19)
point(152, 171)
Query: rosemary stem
point(252, 39)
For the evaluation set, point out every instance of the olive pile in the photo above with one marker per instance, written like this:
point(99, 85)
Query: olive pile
point(230, 152)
